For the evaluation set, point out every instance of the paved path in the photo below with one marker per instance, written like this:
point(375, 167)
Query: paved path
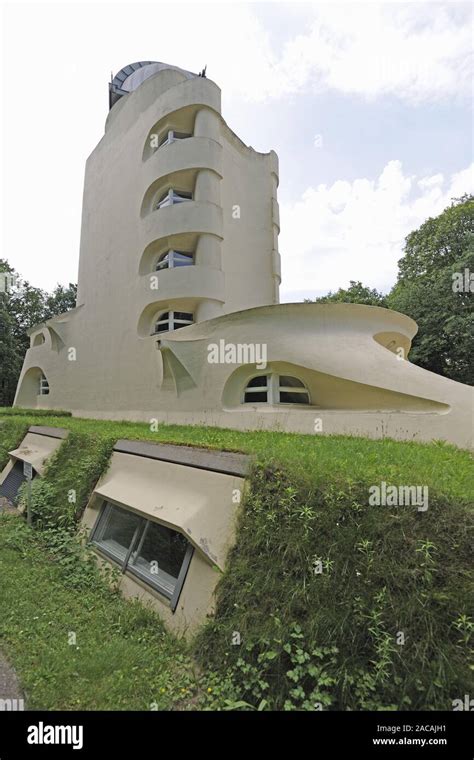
point(9, 686)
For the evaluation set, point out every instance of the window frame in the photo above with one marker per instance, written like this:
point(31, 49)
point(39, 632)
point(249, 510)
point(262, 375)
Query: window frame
point(136, 543)
point(171, 254)
point(171, 137)
point(172, 321)
point(172, 197)
point(43, 385)
point(273, 388)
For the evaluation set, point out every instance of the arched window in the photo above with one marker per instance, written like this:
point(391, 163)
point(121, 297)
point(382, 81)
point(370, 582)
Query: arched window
point(43, 386)
point(173, 320)
point(171, 197)
point(172, 259)
point(275, 389)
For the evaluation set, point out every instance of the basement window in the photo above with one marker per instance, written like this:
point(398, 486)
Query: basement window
point(158, 555)
point(172, 259)
point(43, 386)
point(275, 389)
point(170, 136)
point(11, 485)
point(173, 320)
point(171, 197)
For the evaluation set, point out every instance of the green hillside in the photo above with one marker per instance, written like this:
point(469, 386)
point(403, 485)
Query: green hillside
point(327, 602)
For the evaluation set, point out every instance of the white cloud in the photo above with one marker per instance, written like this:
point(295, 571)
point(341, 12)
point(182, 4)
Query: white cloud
point(356, 231)
point(415, 52)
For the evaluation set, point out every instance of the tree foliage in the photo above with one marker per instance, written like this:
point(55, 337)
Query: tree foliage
point(434, 288)
point(22, 306)
point(355, 293)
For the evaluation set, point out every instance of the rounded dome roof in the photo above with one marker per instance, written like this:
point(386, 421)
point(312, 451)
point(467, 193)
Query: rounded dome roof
point(133, 75)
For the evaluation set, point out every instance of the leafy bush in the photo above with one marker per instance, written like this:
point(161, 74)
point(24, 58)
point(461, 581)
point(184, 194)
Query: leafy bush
point(377, 598)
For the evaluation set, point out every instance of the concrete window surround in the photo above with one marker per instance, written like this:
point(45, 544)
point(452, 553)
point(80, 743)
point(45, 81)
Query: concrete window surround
point(188, 491)
point(181, 494)
point(36, 448)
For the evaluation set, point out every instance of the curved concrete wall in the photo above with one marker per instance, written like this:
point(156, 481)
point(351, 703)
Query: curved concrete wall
point(100, 359)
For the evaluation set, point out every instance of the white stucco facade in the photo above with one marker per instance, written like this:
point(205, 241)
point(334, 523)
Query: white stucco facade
point(170, 176)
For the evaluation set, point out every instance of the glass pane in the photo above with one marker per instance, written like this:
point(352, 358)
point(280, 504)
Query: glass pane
point(183, 315)
point(257, 382)
point(179, 195)
point(164, 262)
point(290, 382)
point(182, 259)
point(162, 326)
point(287, 397)
point(116, 530)
point(164, 202)
point(255, 396)
point(159, 557)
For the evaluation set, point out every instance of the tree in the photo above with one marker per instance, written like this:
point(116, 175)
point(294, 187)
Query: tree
point(355, 293)
point(26, 305)
point(62, 299)
point(10, 360)
point(23, 306)
point(434, 288)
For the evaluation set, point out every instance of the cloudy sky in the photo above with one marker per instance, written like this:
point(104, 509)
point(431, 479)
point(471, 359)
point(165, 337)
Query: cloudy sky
point(367, 104)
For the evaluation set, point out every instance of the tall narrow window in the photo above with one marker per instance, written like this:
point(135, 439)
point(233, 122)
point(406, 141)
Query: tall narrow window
point(43, 386)
point(172, 259)
point(156, 554)
point(275, 389)
point(173, 320)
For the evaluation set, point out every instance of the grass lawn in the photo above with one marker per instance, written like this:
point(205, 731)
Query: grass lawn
point(327, 601)
point(79, 646)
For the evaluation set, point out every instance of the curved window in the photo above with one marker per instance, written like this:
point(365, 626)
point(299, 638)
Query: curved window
point(173, 320)
point(43, 386)
point(275, 389)
point(172, 259)
point(173, 196)
point(169, 137)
